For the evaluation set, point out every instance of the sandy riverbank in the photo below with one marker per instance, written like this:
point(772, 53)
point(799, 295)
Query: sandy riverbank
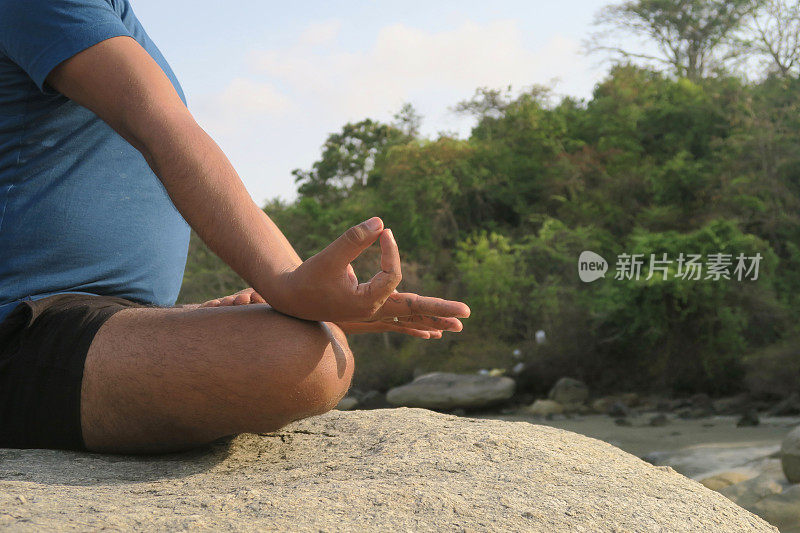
point(696, 448)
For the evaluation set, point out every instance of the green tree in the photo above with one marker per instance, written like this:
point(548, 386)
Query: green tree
point(686, 335)
point(775, 36)
point(692, 37)
point(347, 159)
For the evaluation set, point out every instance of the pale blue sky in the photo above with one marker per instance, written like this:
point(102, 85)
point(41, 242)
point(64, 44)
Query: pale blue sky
point(270, 80)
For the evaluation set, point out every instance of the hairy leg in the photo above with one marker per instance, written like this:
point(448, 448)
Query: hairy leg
point(168, 379)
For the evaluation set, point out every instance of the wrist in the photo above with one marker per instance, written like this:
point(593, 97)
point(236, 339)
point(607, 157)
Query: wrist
point(277, 289)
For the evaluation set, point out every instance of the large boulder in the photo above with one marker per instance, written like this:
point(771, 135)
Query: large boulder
point(384, 470)
point(568, 391)
point(441, 390)
point(790, 455)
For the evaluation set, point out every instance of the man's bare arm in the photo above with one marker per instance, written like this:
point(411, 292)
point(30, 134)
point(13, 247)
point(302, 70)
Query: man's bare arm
point(119, 81)
point(124, 86)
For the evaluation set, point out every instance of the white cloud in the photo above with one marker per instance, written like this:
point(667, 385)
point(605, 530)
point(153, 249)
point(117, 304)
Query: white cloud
point(242, 101)
point(406, 63)
point(320, 33)
point(247, 96)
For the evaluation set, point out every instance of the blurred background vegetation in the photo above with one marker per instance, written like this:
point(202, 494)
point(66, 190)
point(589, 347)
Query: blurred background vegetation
point(691, 145)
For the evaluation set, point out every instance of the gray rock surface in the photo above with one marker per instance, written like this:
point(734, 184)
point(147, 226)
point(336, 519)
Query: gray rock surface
point(442, 390)
point(384, 470)
point(568, 391)
point(790, 455)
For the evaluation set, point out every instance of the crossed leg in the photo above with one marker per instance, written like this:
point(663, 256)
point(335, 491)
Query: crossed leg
point(169, 379)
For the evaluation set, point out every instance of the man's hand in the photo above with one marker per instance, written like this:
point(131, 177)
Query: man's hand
point(244, 297)
point(325, 286)
point(423, 327)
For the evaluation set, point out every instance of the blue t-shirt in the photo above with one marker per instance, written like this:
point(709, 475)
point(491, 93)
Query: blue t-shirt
point(80, 209)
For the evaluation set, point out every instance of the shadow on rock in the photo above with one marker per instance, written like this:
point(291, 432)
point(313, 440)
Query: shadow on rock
point(58, 467)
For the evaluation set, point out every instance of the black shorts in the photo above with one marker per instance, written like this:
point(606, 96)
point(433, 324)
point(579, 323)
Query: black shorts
point(43, 346)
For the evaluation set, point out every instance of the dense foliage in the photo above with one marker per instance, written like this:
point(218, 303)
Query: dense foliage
point(651, 164)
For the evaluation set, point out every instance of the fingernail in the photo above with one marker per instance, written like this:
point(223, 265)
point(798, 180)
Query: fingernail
point(374, 224)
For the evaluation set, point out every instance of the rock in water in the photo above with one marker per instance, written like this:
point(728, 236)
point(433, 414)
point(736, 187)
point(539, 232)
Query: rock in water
point(544, 408)
point(788, 407)
point(731, 405)
point(618, 410)
point(782, 510)
point(790, 456)
point(348, 403)
point(373, 400)
point(769, 496)
point(384, 470)
point(726, 479)
point(749, 492)
point(568, 391)
point(441, 390)
point(659, 420)
point(750, 418)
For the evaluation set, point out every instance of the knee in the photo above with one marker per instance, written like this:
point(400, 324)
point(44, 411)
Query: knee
point(329, 380)
point(307, 375)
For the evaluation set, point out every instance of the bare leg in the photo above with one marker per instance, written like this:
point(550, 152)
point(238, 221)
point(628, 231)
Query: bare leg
point(169, 379)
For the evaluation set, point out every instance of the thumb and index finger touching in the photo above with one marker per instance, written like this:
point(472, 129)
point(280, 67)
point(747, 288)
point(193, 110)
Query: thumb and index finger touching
point(384, 282)
point(354, 241)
